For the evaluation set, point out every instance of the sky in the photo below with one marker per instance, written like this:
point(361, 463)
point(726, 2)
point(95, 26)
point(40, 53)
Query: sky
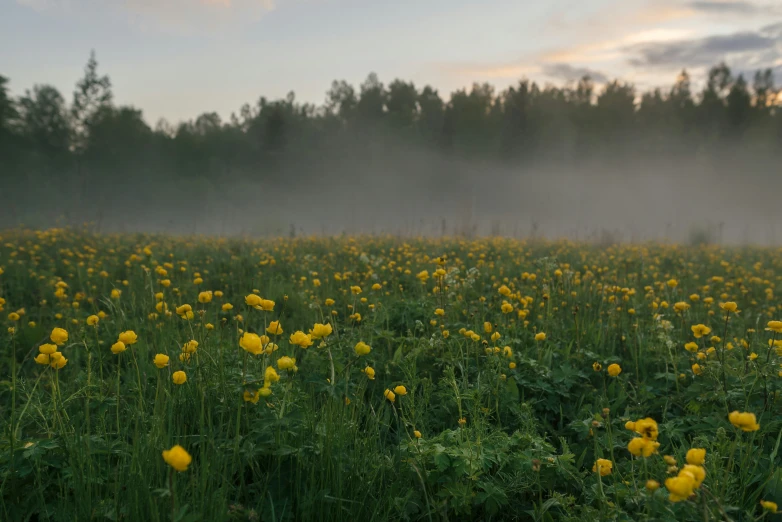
point(176, 59)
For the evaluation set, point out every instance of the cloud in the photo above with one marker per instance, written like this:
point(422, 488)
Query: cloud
point(724, 7)
point(734, 7)
point(567, 72)
point(646, 42)
point(773, 30)
point(195, 14)
point(38, 5)
point(483, 71)
point(178, 15)
point(764, 45)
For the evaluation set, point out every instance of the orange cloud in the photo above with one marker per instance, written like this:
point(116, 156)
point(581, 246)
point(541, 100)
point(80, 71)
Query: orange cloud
point(599, 42)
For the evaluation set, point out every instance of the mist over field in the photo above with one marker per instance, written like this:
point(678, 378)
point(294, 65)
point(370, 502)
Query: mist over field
point(712, 198)
point(602, 163)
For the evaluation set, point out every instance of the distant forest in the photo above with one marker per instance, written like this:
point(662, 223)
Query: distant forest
point(89, 146)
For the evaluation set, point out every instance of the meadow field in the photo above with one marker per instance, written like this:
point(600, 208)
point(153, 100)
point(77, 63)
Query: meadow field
point(162, 378)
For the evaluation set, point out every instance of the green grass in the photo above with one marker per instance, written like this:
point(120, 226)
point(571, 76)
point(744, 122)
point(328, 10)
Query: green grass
point(84, 442)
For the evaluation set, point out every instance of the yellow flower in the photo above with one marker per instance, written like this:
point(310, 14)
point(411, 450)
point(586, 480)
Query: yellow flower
point(57, 360)
point(321, 331)
point(652, 485)
point(274, 328)
point(301, 339)
point(730, 306)
point(115, 293)
point(597, 366)
point(417, 434)
point(400, 390)
point(699, 330)
point(641, 446)
point(249, 396)
point(602, 466)
point(697, 472)
point(253, 300)
point(672, 283)
point(355, 290)
point(774, 326)
point(251, 343)
point(680, 307)
point(696, 456)
point(267, 305)
point(487, 327)
point(179, 377)
point(388, 394)
point(93, 320)
point(647, 428)
point(42, 358)
point(59, 336)
point(118, 347)
point(697, 369)
point(205, 297)
point(161, 360)
point(270, 375)
point(362, 348)
point(506, 308)
point(752, 356)
point(190, 346)
point(439, 311)
point(47, 349)
point(369, 372)
point(681, 487)
point(286, 363)
point(540, 336)
point(769, 506)
point(128, 337)
point(329, 302)
point(177, 457)
point(691, 347)
point(462, 422)
point(614, 370)
point(746, 421)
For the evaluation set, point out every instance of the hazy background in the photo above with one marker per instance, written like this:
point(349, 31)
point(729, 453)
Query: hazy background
point(602, 121)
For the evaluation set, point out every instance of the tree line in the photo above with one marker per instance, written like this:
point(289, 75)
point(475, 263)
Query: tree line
point(89, 140)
